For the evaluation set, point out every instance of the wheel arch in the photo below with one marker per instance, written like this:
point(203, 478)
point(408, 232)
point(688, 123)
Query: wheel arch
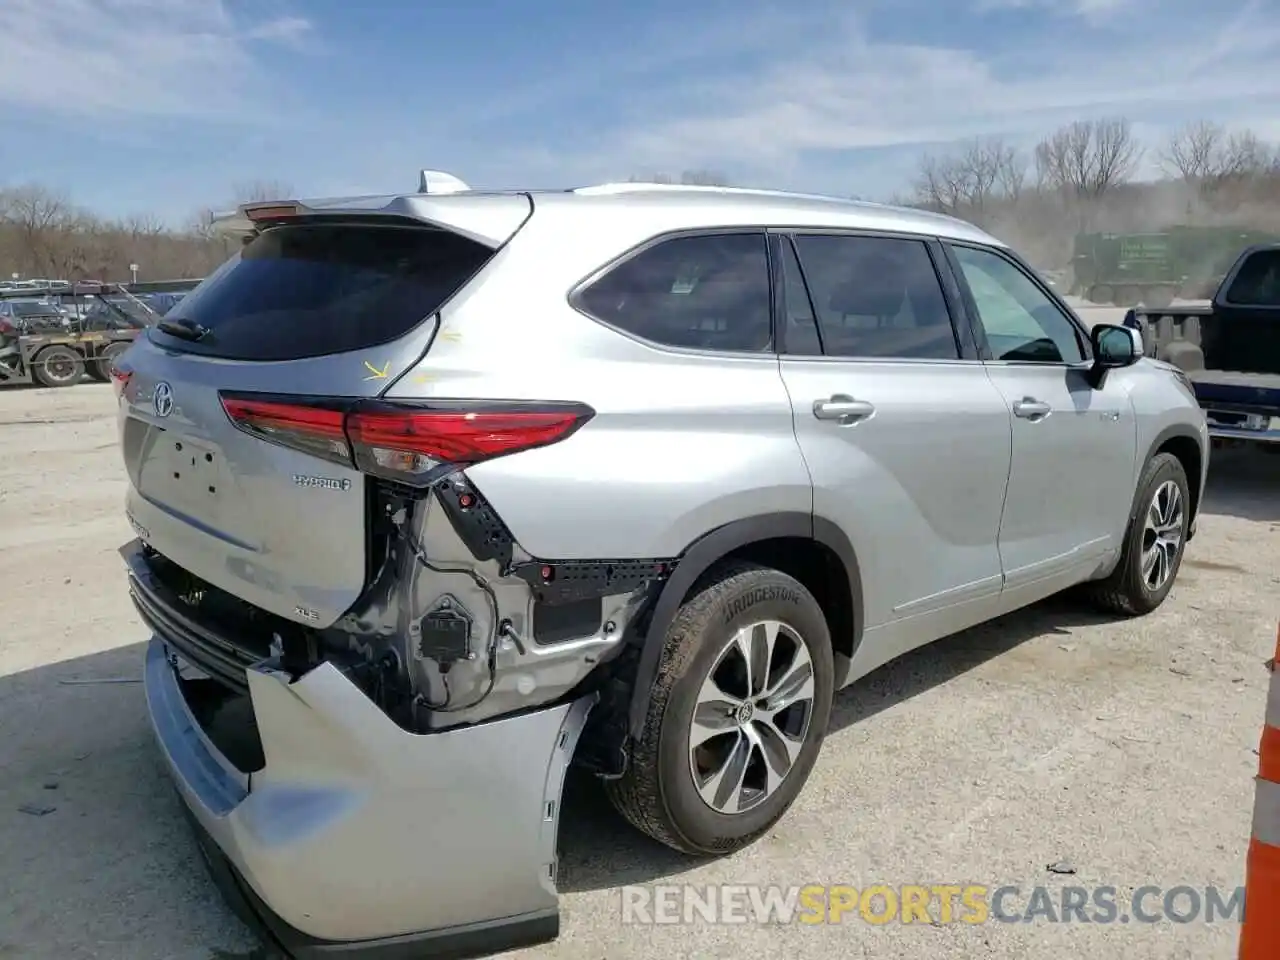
point(1185, 443)
point(737, 537)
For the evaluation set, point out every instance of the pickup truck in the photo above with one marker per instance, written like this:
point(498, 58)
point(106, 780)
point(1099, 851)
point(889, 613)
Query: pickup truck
point(1228, 349)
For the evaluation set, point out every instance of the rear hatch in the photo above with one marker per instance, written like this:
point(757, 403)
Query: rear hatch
point(316, 313)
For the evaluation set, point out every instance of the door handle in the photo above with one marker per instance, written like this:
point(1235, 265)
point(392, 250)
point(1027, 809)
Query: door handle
point(1029, 408)
point(843, 409)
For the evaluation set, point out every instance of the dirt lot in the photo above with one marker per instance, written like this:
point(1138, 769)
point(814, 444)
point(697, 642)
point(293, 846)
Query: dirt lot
point(1125, 749)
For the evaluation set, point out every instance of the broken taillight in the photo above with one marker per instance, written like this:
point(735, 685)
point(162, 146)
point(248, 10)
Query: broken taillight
point(119, 380)
point(402, 441)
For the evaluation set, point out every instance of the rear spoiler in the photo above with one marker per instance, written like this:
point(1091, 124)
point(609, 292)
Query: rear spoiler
point(442, 200)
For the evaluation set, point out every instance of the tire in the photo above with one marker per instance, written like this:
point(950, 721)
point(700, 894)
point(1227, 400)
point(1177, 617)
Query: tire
point(659, 794)
point(1101, 293)
point(57, 366)
point(1158, 298)
point(1127, 296)
point(100, 369)
point(1127, 591)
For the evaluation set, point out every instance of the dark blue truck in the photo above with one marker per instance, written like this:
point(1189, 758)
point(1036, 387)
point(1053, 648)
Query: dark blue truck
point(1229, 349)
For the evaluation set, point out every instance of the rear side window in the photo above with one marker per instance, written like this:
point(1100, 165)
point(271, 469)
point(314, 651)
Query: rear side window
point(877, 297)
point(696, 292)
point(1258, 282)
point(307, 290)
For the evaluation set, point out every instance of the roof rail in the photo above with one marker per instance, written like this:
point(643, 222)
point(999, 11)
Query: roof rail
point(645, 186)
point(638, 186)
point(437, 182)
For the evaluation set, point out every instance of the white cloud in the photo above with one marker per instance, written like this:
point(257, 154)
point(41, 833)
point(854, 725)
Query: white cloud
point(772, 94)
point(785, 116)
point(142, 57)
point(291, 31)
point(1083, 8)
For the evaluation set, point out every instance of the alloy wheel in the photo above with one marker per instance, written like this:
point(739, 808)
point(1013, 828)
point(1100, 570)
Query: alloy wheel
point(1162, 535)
point(752, 717)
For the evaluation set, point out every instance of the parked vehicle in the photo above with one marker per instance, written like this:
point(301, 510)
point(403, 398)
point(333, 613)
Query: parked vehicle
point(450, 489)
point(123, 312)
point(1153, 269)
point(32, 315)
point(1229, 351)
point(42, 342)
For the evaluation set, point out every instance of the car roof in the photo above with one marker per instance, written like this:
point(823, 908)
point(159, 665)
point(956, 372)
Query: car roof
point(774, 208)
point(680, 206)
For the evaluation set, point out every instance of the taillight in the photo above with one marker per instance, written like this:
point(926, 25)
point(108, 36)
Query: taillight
point(6, 327)
point(317, 430)
point(119, 380)
point(402, 441)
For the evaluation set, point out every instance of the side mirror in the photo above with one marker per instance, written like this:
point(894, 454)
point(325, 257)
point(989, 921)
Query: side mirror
point(1113, 347)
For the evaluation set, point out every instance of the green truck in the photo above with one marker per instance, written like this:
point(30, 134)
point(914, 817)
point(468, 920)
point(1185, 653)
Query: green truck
point(1152, 269)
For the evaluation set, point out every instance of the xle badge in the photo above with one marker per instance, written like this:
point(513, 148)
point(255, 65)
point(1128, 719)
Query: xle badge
point(321, 483)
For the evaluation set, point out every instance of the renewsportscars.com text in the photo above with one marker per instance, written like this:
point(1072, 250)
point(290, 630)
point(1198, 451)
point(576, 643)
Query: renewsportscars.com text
point(933, 904)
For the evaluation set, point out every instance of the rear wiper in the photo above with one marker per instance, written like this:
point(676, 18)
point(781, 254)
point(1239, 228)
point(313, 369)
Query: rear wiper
point(183, 329)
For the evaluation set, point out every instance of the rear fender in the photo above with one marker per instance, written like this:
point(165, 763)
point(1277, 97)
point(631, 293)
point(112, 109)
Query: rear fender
point(700, 556)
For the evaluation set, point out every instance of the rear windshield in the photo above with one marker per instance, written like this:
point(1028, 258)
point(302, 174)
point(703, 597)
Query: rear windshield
point(307, 290)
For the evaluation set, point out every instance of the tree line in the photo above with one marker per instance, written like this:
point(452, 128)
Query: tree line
point(1082, 176)
point(44, 235)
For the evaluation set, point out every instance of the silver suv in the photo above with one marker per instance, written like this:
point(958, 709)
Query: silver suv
point(446, 490)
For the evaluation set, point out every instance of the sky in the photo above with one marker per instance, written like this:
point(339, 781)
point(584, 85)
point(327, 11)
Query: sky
point(163, 106)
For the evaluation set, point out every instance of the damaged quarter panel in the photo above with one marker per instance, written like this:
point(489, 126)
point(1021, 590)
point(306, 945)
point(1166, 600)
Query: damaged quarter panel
point(542, 559)
point(461, 625)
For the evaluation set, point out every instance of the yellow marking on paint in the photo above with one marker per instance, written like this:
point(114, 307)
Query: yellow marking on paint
point(425, 378)
point(376, 373)
point(451, 336)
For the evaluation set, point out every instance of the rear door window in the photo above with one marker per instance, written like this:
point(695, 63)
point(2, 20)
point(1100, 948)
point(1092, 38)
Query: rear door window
point(705, 292)
point(307, 290)
point(877, 297)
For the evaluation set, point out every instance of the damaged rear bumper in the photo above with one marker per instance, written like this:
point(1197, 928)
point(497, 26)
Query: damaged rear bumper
point(357, 838)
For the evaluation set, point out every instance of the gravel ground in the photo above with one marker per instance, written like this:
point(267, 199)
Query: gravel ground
point(1122, 749)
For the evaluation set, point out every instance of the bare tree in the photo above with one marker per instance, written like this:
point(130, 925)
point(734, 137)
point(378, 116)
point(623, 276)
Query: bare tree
point(1191, 151)
point(257, 191)
point(1088, 158)
point(144, 225)
point(1011, 173)
point(40, 219)
point(692, 178)
point(704, 178)
point(940, 184)
point(968, 182)
point(1245, 155)
point(201, 223)
point(1205, 154)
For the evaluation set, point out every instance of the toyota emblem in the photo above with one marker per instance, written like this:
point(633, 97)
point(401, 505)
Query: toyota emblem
point(162, 399)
